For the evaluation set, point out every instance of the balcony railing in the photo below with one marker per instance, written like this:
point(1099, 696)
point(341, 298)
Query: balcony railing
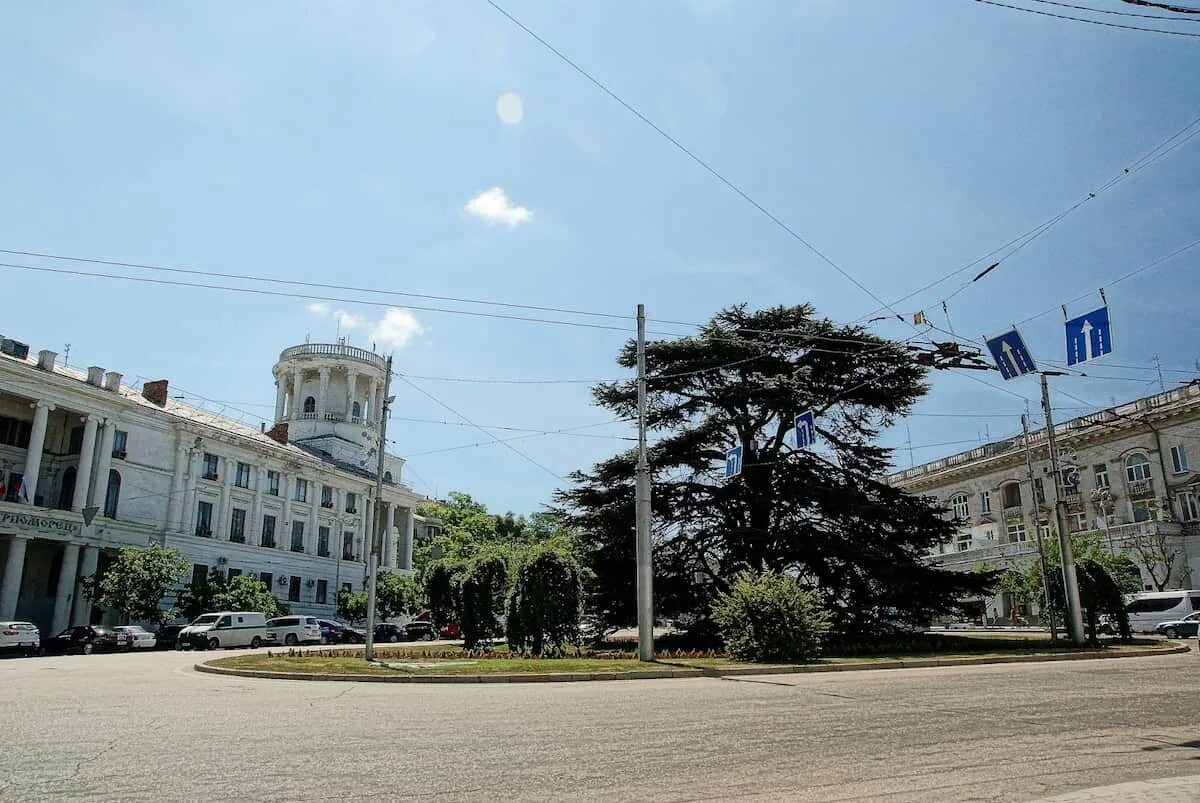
point(1014, 511)
point(204, 532)
point(1138, 488)
point(209, 475)
point(327, 504)
point(337, 350)
point(1121, 536)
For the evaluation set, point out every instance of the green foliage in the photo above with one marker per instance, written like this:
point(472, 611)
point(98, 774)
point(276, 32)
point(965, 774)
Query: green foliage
point(395, 594)
point(545, 603)
point(482, 592)
point(351, 607)
point(770, 618)
point(200, 596)
point(247, 593)
point(135, 583)
point(443, 590)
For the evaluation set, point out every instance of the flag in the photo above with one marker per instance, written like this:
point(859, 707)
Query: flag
point(3, 484)
point(919, 318)
point(22, 491)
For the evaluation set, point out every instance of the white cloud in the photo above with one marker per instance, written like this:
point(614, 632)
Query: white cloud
point(510, 108)
point(397, 328)
point(318, 308)
point(349, 320)
point(493, 205)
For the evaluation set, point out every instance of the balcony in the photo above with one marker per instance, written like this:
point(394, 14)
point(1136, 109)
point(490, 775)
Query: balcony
point(327, 504)
point(119, 454)
point(1014, 511)
point(337, 351)
point(1140, 488)
point(351, 510)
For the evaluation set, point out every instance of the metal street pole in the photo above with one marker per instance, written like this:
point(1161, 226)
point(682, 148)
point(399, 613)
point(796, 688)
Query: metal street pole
point(1037, 529)
point(645, 570)
point(377, 520)
point(1070, 582)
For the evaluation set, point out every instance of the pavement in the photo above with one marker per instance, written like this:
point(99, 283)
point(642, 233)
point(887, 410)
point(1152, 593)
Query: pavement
point(148, 727)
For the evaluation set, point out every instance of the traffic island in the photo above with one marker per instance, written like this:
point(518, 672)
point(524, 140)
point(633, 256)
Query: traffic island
point(417, 666)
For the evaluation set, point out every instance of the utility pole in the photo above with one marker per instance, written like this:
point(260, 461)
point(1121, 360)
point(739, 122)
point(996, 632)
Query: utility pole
point(1070, 582)
point(1162, 386)
point(645, 566)
point(1037, 529)
point(377, 535)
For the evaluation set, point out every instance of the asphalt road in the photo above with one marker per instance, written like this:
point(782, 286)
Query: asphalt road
point(147, 727)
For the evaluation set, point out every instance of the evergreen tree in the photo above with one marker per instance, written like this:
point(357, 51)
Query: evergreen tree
point(823, 514)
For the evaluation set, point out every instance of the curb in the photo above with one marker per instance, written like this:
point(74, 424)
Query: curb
point(684, 671)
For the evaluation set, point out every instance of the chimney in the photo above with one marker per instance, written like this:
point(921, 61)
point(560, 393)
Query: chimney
point(112, 381)
point(279, 433)
point(95, 375)
point(46, 359)
point(155, 392)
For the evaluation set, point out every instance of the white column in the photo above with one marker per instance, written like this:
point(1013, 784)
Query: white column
point(33, 455)
point(65, 594)
point(221, 522)
point(409, 523)
point(103, 464)
point(368, 529)
point(389, 534)
point(81, 609)
point(322, 395)
point(188, 525)
point(369, 407)
point(314, 511)
point(254, 526)
point(83, 475)
point(14, 567)
point(351, 381)
point(178, 488)
point(280, 398)
point(297, 401)
point(283, 527)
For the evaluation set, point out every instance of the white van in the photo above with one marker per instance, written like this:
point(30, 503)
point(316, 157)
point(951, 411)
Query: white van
point(1150, 609)
point(224, 629)
point(292, 630)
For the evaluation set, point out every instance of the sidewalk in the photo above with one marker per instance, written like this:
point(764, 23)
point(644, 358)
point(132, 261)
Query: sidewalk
point(1182, 789)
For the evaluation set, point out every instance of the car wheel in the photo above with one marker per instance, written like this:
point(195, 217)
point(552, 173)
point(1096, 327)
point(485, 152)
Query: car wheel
point(214, 644)
point(431, 636)
point(290, 639)
point(255, 643)
point(87, 649)
point(1171, 632)
point(393, 638)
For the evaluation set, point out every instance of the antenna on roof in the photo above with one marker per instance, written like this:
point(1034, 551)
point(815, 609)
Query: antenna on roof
point(67, 354)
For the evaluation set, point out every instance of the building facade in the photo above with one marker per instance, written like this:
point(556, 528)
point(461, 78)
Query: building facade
point(1126, 476)
point(89, 466)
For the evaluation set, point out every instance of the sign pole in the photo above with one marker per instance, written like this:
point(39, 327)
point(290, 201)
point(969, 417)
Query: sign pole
point(1070, 582)
point(1037, 529)
point(378, 529)
point(645, 569)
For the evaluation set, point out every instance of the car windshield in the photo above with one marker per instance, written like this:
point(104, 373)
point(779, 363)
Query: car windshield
point(206, 619)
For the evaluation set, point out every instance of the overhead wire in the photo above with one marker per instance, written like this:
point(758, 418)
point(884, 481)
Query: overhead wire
point(1088, 21)
point(1113, 13)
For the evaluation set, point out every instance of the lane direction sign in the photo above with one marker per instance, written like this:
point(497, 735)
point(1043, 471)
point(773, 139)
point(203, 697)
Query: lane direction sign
point(1089, 336)
point(1011, 355)
point(733, 462)
point(806, 429)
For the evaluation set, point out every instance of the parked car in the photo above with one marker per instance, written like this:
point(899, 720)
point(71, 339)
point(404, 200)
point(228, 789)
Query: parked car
point(84, 639)
point(292, 630)
point(136, 637)
point(225, 629)
point(449, 631)
point(22, 638)
point(420, 630)
point(337, 633)
point(389, 632)
point(167, 636)
point(1186, 627)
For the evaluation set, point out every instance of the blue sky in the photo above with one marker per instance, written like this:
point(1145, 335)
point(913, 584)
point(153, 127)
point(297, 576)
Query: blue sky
point(344, 143)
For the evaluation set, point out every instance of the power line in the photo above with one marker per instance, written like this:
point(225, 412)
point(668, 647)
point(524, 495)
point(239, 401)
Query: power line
point(1166, 6)
point(563, 431)
point(1090, 22)
point(1114, 13)
point(688, 152)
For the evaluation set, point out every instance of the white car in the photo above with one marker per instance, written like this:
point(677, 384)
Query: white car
point(136, 637)
point(292, 630)
point(20, 637)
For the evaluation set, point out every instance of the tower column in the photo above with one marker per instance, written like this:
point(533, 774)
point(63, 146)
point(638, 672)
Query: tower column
point(297, 402)
point(280, 398)
point(322, 396)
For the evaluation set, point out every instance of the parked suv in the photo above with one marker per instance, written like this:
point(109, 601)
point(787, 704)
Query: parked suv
point(292, 630)
point(19, 637)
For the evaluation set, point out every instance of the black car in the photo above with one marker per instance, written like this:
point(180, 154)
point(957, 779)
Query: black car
point(167, 637)
point(84, 639)
point(389, 632)
point(420, 630)
point(338, 633)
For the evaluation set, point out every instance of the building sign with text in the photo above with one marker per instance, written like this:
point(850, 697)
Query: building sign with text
point(33, 523)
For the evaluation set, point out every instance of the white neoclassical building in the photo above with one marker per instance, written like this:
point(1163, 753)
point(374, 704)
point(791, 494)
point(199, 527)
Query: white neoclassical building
point(292, 503)
point(1130, 474)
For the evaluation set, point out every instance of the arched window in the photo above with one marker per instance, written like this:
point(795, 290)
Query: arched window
point(67, 494)
point(961, 508)
point(310, 404)
point(112, 495)
point(387, 476)
point(355, 411)
point(1012, 494)
point(1137, 467)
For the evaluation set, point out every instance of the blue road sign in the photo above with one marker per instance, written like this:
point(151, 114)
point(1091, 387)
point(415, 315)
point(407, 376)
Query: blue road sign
point(1088, 337)
point(1011, 356)
point(733, 462)
point(806, 429)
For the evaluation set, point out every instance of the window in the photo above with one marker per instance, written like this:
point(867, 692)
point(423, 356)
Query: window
point(351, 502)
point(1145, 510)
point(297, 536)
point(989, 534)
point(1137, 467)
point(266, 578)
point(348, 588)
point(1016, 531)
point(120, 443)
point(326, 496)
point(242, 477)
point(210, 466)
point(75, 444)
point(348, 545)
point(387, 476)
point(204, 519)
point(322, 591)
point(237, 526)
point(1079, 522)
point(66, 491)
point(1044, 529)
point(15, 480)
point(959, 503)
point(301, 494)
point(1189, 508)
point(1179, 460)
point(273, 483)
point(1100, 470)
point(199, 573)
point(112, 494)
point(1154, 604)
point(323, 542)
point(355, 412)
point(268, 532)
point(1012, 494)
point(16, 433)
point(963, 541)
point(310, 404)
point(1039, 490)
point(985, 502)
point(1070, 480)
point(293, 589)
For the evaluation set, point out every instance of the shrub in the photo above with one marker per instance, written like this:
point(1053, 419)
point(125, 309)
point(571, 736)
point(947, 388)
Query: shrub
point(770, 618)
point(545, 603)
point(482, 598)
point(443, 591)
point(247, 593)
